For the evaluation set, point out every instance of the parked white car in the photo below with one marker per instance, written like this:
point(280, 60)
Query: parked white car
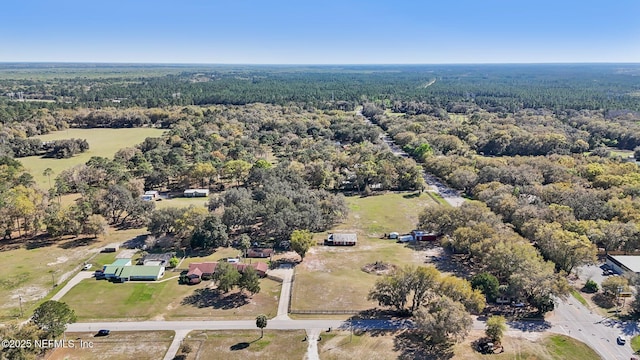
point(87, 266)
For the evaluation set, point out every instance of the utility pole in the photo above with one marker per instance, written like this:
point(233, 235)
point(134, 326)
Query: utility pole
point(619, 290)
point(351, 336)
point(20, 299)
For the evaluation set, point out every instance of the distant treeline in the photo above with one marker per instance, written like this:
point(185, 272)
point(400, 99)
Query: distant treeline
point(495, 88)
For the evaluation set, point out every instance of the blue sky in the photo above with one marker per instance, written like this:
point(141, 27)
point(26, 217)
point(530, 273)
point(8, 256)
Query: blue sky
point(320, 32)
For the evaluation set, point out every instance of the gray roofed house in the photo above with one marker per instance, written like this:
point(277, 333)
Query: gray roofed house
point(157, 259)
point(624, 264)
point(342, 239)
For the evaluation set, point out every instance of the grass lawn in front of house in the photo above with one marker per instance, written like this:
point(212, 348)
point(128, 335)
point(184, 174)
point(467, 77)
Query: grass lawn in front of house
point(100, 300)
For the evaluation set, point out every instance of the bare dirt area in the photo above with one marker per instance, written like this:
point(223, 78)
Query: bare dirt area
point(379, 268)
point(137, 345)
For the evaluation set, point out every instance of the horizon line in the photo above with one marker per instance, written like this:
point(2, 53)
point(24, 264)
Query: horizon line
point(316, 64)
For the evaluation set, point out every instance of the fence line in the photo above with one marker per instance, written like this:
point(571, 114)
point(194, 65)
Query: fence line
point(293, 281)
point(326, 312)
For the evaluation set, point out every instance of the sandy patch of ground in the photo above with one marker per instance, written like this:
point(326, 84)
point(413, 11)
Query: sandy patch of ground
point(59, 260)
point(28, 293)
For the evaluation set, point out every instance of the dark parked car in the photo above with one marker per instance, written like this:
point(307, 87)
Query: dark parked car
point(99, 274)
point(103, 332)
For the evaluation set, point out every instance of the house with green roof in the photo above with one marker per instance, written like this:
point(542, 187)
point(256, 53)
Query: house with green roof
point(141, 273)
point(121, 270)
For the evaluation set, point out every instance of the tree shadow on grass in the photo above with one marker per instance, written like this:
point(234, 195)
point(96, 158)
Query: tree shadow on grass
point(412, 195)
point(239, 346)
point(243, 345)
point(378, 322)
point(74, 243)
point(413, 346)
point(216, 299)
point(40, 241)
point(530, 326)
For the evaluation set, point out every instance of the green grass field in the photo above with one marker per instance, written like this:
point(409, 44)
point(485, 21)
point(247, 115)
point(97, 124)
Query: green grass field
point(331, 278)
point(635, 343)
point(564, 347)
point(102, 142)
point(246, 344)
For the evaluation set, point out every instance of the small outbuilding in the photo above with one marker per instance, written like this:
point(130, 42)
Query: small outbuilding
point(349, 239)
point(419, 235)
point(157, 259)
point(393, 235)
point(259, 252)
point(150, 195)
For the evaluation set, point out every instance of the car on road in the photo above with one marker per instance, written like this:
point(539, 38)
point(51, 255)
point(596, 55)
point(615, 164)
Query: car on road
point(103, 332)
point(621, 340)
point(87, 266)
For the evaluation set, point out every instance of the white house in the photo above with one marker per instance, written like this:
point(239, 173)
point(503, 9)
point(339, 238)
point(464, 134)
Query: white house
point(196, 193)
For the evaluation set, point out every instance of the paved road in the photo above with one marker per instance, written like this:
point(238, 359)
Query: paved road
point(451, 196)
point(571, 318)
point(272, 324)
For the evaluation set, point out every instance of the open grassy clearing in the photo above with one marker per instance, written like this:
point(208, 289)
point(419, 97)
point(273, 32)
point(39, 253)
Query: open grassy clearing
point(139, 345)
point(180, 202)
point(330, 278)
point(102, 142)
point(30, 268)
point(246, 344)
point(94, 300)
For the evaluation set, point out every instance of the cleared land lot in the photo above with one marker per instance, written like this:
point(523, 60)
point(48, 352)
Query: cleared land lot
point(102, 142)
point(330, 278)
point(386, 345)
point(180, 202)
point(117, 346)
point(246, 345)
